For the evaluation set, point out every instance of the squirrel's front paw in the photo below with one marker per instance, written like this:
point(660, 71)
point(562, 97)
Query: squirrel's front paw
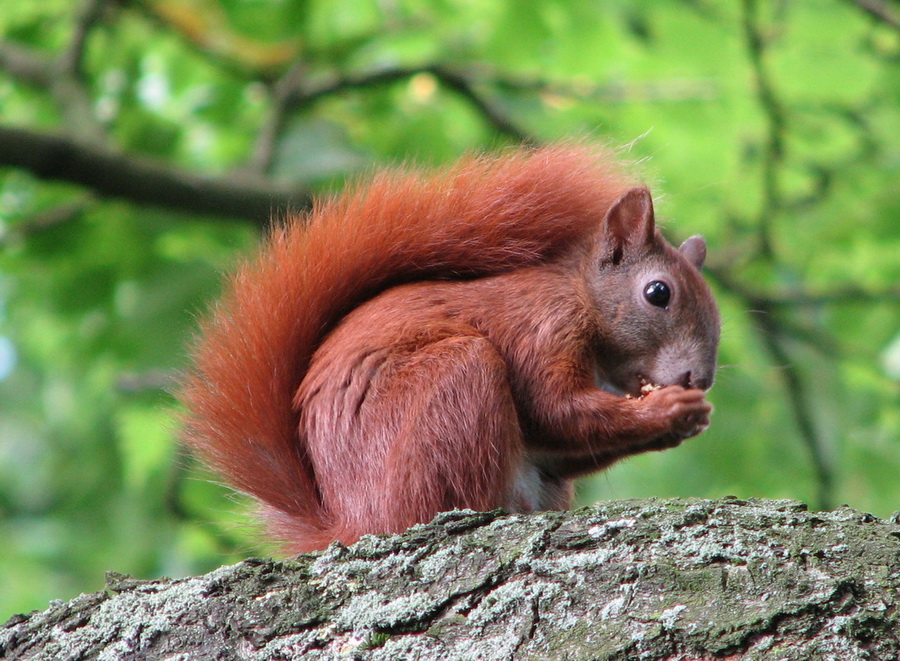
point(677, 413)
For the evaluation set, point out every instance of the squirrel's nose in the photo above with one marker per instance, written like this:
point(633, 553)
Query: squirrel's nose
point(688, 380)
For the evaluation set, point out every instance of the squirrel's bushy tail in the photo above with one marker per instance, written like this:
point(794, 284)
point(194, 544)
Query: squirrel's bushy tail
point(483, 216)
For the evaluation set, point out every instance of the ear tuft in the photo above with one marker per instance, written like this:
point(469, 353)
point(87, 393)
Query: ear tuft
point(694, 249)
point(629, 224)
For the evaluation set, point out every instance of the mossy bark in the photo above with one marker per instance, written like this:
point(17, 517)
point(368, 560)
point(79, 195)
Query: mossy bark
point(639, 579)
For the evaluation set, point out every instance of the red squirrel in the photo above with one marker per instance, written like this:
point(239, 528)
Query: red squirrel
point(474, 338)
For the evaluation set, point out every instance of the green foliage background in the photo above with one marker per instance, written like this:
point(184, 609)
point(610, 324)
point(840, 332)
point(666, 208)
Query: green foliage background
point(770, 127)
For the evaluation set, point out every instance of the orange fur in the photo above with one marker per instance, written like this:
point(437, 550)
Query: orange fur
point(354, 379)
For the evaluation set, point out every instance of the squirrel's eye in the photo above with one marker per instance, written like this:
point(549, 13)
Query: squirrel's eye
point(657, 293)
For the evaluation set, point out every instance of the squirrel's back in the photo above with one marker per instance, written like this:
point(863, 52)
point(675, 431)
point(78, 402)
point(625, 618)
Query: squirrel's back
point(483, 216)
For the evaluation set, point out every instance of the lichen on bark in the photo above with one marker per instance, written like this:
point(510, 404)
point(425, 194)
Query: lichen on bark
point(636, 579)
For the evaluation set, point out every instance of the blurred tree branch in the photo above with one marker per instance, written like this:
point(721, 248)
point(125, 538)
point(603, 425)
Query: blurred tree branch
point(206, 29)
point(298, 95)
point(880, 10)
point(26, 66)
point(775, 330)
point(294, 92)
point(795, 388)
point(776, 120)
point(57, 215)
point(845, 295)
point(62, 75)
point(143, 181)
point(72, 58)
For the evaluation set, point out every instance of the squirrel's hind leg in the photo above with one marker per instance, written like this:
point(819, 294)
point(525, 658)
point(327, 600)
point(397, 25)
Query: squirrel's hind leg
point(437, 430)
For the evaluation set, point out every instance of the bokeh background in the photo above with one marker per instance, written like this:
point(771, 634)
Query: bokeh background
point(144, 144)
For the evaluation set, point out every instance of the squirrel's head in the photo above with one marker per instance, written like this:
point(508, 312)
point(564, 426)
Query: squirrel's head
point(658, 323)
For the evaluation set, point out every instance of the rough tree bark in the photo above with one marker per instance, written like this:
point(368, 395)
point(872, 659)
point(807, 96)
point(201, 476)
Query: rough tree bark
point(647, 579)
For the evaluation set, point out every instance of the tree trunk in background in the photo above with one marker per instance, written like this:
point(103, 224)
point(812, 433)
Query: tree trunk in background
point(648, 579)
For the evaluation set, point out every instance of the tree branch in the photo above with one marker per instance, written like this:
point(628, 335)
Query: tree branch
point(489, 110)
point(143, 181)
point(797, 395)
point(776, 118)
point(61, 76)
point(269, 133)
point(300, 95)
point(774, 331)
point(58, 215)
point(25, 65)
point(642, 579)
point(879, 10)
point(69, 85)
point(841, 295)
point(71, 60)
point(206, 29)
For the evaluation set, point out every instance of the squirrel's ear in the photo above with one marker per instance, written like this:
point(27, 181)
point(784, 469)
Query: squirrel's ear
point(694, 249)
point(628, 224)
